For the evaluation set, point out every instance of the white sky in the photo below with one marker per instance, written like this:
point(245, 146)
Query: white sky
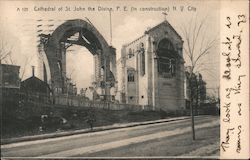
point(19, 30)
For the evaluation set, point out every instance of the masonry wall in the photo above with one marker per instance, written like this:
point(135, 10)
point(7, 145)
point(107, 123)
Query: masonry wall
point(168, 93)
point(139, 89)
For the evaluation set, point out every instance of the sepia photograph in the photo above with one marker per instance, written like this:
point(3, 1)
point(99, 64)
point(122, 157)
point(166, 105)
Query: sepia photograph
point(112, 79)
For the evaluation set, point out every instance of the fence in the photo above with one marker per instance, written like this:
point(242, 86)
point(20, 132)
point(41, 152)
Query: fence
point(77, 101)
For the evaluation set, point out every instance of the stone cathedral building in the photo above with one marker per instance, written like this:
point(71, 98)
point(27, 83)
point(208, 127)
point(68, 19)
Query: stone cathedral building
point(153, 69)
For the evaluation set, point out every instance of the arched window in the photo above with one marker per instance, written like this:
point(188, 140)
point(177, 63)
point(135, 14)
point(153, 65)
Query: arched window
point(167, 58)
point(102, 73)
point(165, 45)
point(130, 53)
point(131, 77)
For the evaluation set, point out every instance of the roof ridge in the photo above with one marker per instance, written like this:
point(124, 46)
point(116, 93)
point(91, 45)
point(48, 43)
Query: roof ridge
point(153, 28)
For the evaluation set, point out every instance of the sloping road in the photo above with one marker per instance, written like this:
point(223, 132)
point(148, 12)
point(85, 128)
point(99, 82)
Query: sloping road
point(116, 142)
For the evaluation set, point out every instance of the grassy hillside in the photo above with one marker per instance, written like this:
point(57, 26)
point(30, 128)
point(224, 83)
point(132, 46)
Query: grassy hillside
point(61, 118)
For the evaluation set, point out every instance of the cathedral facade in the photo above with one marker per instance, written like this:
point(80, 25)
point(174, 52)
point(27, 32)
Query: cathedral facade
point(153, 69)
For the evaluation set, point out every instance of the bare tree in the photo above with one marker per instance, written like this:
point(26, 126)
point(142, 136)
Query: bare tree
point(197, 44)
point(5, 52)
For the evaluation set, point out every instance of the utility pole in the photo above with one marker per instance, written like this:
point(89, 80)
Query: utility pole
point(110, 25)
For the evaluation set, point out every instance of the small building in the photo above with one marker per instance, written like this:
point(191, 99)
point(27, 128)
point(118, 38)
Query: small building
point(9, 90)
point(35, 85)
point(35, 89)
point(9, 76)
point(152, 69)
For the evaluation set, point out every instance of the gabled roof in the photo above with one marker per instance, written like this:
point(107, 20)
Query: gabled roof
point(33, 78)
point(161, 24)
point(166, 23)
point(34, 83)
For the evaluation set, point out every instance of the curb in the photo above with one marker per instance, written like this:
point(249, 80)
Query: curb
point(81, 131)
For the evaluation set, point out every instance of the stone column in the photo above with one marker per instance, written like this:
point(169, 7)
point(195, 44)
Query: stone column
point(155, 77)
point(149, 54)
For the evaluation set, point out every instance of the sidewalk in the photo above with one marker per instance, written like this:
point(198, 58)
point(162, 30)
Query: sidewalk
point(95, 129)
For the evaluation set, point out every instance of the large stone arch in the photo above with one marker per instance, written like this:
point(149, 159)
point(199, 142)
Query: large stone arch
point(57, 43)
